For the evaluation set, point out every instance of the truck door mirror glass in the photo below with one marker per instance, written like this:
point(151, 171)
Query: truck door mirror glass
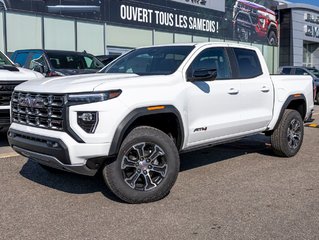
point(203, 75)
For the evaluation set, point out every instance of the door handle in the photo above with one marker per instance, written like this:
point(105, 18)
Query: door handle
point(265, 89)
point(233, 91)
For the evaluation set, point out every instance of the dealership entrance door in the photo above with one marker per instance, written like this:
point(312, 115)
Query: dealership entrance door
point(311, 54)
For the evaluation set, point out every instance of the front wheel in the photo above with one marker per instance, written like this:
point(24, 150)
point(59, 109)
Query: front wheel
point(146, 167)
point(287, 138)
point(272, 39)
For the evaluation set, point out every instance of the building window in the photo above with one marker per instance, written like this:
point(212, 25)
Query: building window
point(23, 32)
point(59, 34)
point(128, 37)
point(90, 38)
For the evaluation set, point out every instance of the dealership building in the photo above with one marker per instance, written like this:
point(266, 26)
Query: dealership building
point(115, 26)
point(299, 35)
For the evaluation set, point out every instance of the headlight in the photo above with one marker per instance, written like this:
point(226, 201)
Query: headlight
point(263, 22)
point(84, 98)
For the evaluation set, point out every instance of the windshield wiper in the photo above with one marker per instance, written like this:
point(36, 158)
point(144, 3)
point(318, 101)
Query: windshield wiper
point(10, 68)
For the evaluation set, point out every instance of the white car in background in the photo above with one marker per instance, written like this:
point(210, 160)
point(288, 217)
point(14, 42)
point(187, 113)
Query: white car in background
point(10, 77)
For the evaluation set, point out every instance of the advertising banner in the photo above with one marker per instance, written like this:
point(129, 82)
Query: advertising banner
point(242, 20)
point(218, 5)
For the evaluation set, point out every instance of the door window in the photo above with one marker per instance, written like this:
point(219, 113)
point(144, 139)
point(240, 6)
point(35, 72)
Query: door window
point(248, 63)
point(34, 56)
point(212, 58)
point(285, 71)
point(300, 71)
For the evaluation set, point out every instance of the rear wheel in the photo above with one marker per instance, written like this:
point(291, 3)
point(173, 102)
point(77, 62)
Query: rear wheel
point(146, 167)
point(272, 38)
point(287, 138)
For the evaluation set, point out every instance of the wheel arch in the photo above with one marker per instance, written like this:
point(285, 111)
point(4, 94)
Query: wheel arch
point(157, 118)
point(272, 27)
point(295, 102)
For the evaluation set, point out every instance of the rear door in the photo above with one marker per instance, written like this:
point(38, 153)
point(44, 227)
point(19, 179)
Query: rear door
point(257, 93)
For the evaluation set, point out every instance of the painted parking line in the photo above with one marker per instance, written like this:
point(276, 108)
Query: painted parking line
point(8, 155)
point(312, 125)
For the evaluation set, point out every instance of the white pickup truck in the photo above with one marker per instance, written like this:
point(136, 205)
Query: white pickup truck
point(133, 118)
point(10, 77)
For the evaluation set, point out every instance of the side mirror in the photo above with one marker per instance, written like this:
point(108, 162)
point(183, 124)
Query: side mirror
point(203, 75)
point(17, 64)
point(38, 68)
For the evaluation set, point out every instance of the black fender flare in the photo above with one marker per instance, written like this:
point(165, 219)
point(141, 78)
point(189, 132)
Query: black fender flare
point(286, 104)
point(134, 115)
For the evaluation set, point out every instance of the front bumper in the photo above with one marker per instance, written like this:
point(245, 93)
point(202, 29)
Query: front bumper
point(57, 149)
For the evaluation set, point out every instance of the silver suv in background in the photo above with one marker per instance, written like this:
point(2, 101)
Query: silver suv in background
point(306, 71)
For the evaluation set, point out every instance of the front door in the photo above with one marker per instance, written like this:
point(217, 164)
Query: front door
point(213, 106)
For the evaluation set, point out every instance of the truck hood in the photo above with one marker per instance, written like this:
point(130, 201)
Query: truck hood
point(79, 83)
point(22, 75)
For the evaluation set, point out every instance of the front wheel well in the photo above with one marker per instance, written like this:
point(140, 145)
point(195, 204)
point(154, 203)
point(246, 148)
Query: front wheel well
point(166, 122)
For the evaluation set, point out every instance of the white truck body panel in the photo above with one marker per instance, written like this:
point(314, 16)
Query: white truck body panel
point(226, 109)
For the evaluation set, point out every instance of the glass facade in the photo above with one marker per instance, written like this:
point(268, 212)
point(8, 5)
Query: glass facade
point(1, 33)
point(128, 37)
point(95, 37)
point(59, 34)
point(90, 38)
point(163, 38)
point(23, 31)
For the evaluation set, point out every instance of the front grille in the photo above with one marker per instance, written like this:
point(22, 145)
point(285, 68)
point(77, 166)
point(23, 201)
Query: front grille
point(38, 110)
point(6, 89)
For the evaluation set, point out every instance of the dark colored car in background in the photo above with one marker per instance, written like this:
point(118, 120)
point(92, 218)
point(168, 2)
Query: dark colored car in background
point(106, 59)
point(255, 22)
point(313, 72)
point(53, 63)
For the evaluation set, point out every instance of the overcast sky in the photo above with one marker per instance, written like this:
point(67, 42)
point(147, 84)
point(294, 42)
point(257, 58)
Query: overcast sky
point(312, 2)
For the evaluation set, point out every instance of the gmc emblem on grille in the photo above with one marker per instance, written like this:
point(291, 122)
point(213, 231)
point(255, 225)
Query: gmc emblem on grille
point(31, 102)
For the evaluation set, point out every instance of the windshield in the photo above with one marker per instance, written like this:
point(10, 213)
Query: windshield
point(150, 61)
point(314, 72)
point(4, 60)
point(74, 61)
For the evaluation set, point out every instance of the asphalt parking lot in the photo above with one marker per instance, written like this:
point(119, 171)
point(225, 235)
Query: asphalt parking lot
point(234, 191)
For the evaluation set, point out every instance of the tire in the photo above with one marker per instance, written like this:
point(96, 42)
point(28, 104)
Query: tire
point(146, 167)
point(287, 138)
point(272, 39)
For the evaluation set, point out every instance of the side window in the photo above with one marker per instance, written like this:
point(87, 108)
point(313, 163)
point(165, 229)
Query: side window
point(21, 58)
point(248, 63)
point(33, 57)
point(40, 61)
point(300, 71)
point(88, 62)
point(286, 71)
point(212, 58)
